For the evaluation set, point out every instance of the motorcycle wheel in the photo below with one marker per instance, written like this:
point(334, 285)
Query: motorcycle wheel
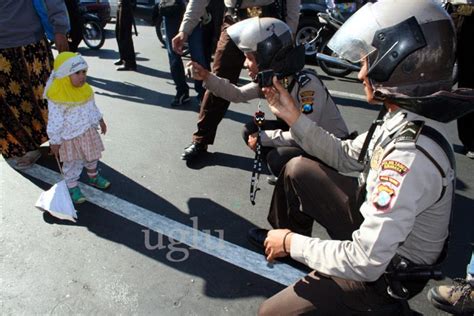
point(307, 30)
point(93, 34)
point(161, 34)
point(328, 68)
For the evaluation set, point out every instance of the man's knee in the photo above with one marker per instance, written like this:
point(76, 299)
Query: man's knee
point(299, 167)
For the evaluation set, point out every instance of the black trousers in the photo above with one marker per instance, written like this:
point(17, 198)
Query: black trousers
point(76, 23)
point(123, 33)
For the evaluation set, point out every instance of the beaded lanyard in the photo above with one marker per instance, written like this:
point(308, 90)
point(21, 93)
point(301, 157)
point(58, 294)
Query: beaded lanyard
point(259, 119)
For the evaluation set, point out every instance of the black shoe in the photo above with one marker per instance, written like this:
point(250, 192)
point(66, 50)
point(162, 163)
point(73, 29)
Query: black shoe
point(118, 62)
point(257, 236)
point(193, 150)
point(126, 68)
point(180, 99)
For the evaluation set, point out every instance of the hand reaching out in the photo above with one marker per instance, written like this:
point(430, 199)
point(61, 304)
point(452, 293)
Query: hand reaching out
point(196, 71)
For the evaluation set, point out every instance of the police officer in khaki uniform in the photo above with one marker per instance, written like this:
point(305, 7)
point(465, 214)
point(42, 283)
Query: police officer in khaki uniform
point(406, 165)
point(269, 41)
point(228, 59)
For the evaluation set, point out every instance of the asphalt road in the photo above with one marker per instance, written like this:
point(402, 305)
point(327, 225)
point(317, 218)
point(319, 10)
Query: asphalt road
point(113, 260)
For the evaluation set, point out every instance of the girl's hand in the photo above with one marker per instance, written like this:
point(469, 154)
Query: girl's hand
point(54, 149)
point(196, 71)
point(103, 127)
point(252, 141)
point(281, 103)
point(274, 243)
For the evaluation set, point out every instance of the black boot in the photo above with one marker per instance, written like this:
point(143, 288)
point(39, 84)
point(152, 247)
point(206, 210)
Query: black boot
point(193, 150)
point(257, 236)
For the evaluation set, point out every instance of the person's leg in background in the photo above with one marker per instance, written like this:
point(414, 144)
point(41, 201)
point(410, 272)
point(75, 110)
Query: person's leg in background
point(198, 54)
point(228, 62)
point(124, 36)
point(76, 23)
point(176, 63)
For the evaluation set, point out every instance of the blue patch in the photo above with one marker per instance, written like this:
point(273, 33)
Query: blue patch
point(307, 108)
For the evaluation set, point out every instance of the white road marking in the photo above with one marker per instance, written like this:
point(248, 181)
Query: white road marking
point(347, 95)
point(233, 254)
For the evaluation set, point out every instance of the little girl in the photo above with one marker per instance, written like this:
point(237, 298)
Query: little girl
point(73, 122)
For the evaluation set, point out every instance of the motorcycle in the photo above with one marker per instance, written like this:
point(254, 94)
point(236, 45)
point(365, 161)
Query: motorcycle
point(92, 31)
point(329, 27)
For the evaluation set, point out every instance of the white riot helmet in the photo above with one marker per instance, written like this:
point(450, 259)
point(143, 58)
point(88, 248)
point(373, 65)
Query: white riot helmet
point(410, 46)
point(271, 41)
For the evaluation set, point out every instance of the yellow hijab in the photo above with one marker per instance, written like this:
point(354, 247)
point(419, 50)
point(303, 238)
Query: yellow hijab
point(59, 88)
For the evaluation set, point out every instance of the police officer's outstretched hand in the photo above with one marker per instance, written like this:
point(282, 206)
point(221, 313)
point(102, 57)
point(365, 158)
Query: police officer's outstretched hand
point(281, 103)
point(196, 71)
point(277, 244)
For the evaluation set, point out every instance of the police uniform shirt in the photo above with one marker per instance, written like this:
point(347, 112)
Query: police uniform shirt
point(402, 213)
point(197, 8)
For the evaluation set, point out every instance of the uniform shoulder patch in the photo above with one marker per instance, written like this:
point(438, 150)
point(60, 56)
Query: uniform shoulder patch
point(382, 197)
point(396, 166)
point(303, 79)
point(410, 132)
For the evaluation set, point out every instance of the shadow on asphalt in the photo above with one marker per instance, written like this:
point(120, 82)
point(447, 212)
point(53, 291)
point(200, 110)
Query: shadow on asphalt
point(220, 159)
point(220, 276)
point(210, 216)
point(135, 93)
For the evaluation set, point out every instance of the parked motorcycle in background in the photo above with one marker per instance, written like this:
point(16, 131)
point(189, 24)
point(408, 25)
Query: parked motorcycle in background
point(92, 31)
point(319, 20)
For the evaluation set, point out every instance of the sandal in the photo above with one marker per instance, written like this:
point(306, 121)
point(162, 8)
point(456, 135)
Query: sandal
point(76, 195)
point(99, 182)
point(27, 160)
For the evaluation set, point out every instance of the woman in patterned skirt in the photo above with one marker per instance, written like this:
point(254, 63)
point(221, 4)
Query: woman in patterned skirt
point(26, 61)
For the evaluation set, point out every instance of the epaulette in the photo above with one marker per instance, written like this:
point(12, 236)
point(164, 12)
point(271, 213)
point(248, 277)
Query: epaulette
point(302, 78)
point(410, 132)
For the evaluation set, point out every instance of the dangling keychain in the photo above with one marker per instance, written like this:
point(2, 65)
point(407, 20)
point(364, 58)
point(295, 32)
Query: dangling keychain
point(259, 120)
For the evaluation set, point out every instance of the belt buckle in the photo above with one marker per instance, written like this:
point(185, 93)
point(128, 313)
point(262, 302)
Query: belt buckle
point(254, 11)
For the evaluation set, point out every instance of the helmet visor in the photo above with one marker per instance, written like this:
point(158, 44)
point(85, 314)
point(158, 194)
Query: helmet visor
point(353, 41)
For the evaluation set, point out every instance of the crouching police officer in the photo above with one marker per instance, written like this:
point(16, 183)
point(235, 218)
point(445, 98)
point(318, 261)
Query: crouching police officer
point(268, 47)
point(228, 59)
point(407, 169)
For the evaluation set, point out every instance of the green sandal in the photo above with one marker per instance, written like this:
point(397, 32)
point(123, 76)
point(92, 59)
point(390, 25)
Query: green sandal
point(99, 182)
point(76, 195)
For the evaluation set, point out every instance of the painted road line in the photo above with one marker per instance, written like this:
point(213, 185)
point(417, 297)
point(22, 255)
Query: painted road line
point(233, 254)
point(347, 95)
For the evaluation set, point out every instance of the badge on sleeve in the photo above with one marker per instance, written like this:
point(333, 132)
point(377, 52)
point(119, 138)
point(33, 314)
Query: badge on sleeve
point(307, 100)
point(396, 166)
point(307, 108)
point(382, 197)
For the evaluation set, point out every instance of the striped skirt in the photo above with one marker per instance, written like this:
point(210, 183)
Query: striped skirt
point(23, 112)
point(87, 147)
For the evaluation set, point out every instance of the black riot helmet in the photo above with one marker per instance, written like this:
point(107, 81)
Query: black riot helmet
point(410, 48)
point(271, 41)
